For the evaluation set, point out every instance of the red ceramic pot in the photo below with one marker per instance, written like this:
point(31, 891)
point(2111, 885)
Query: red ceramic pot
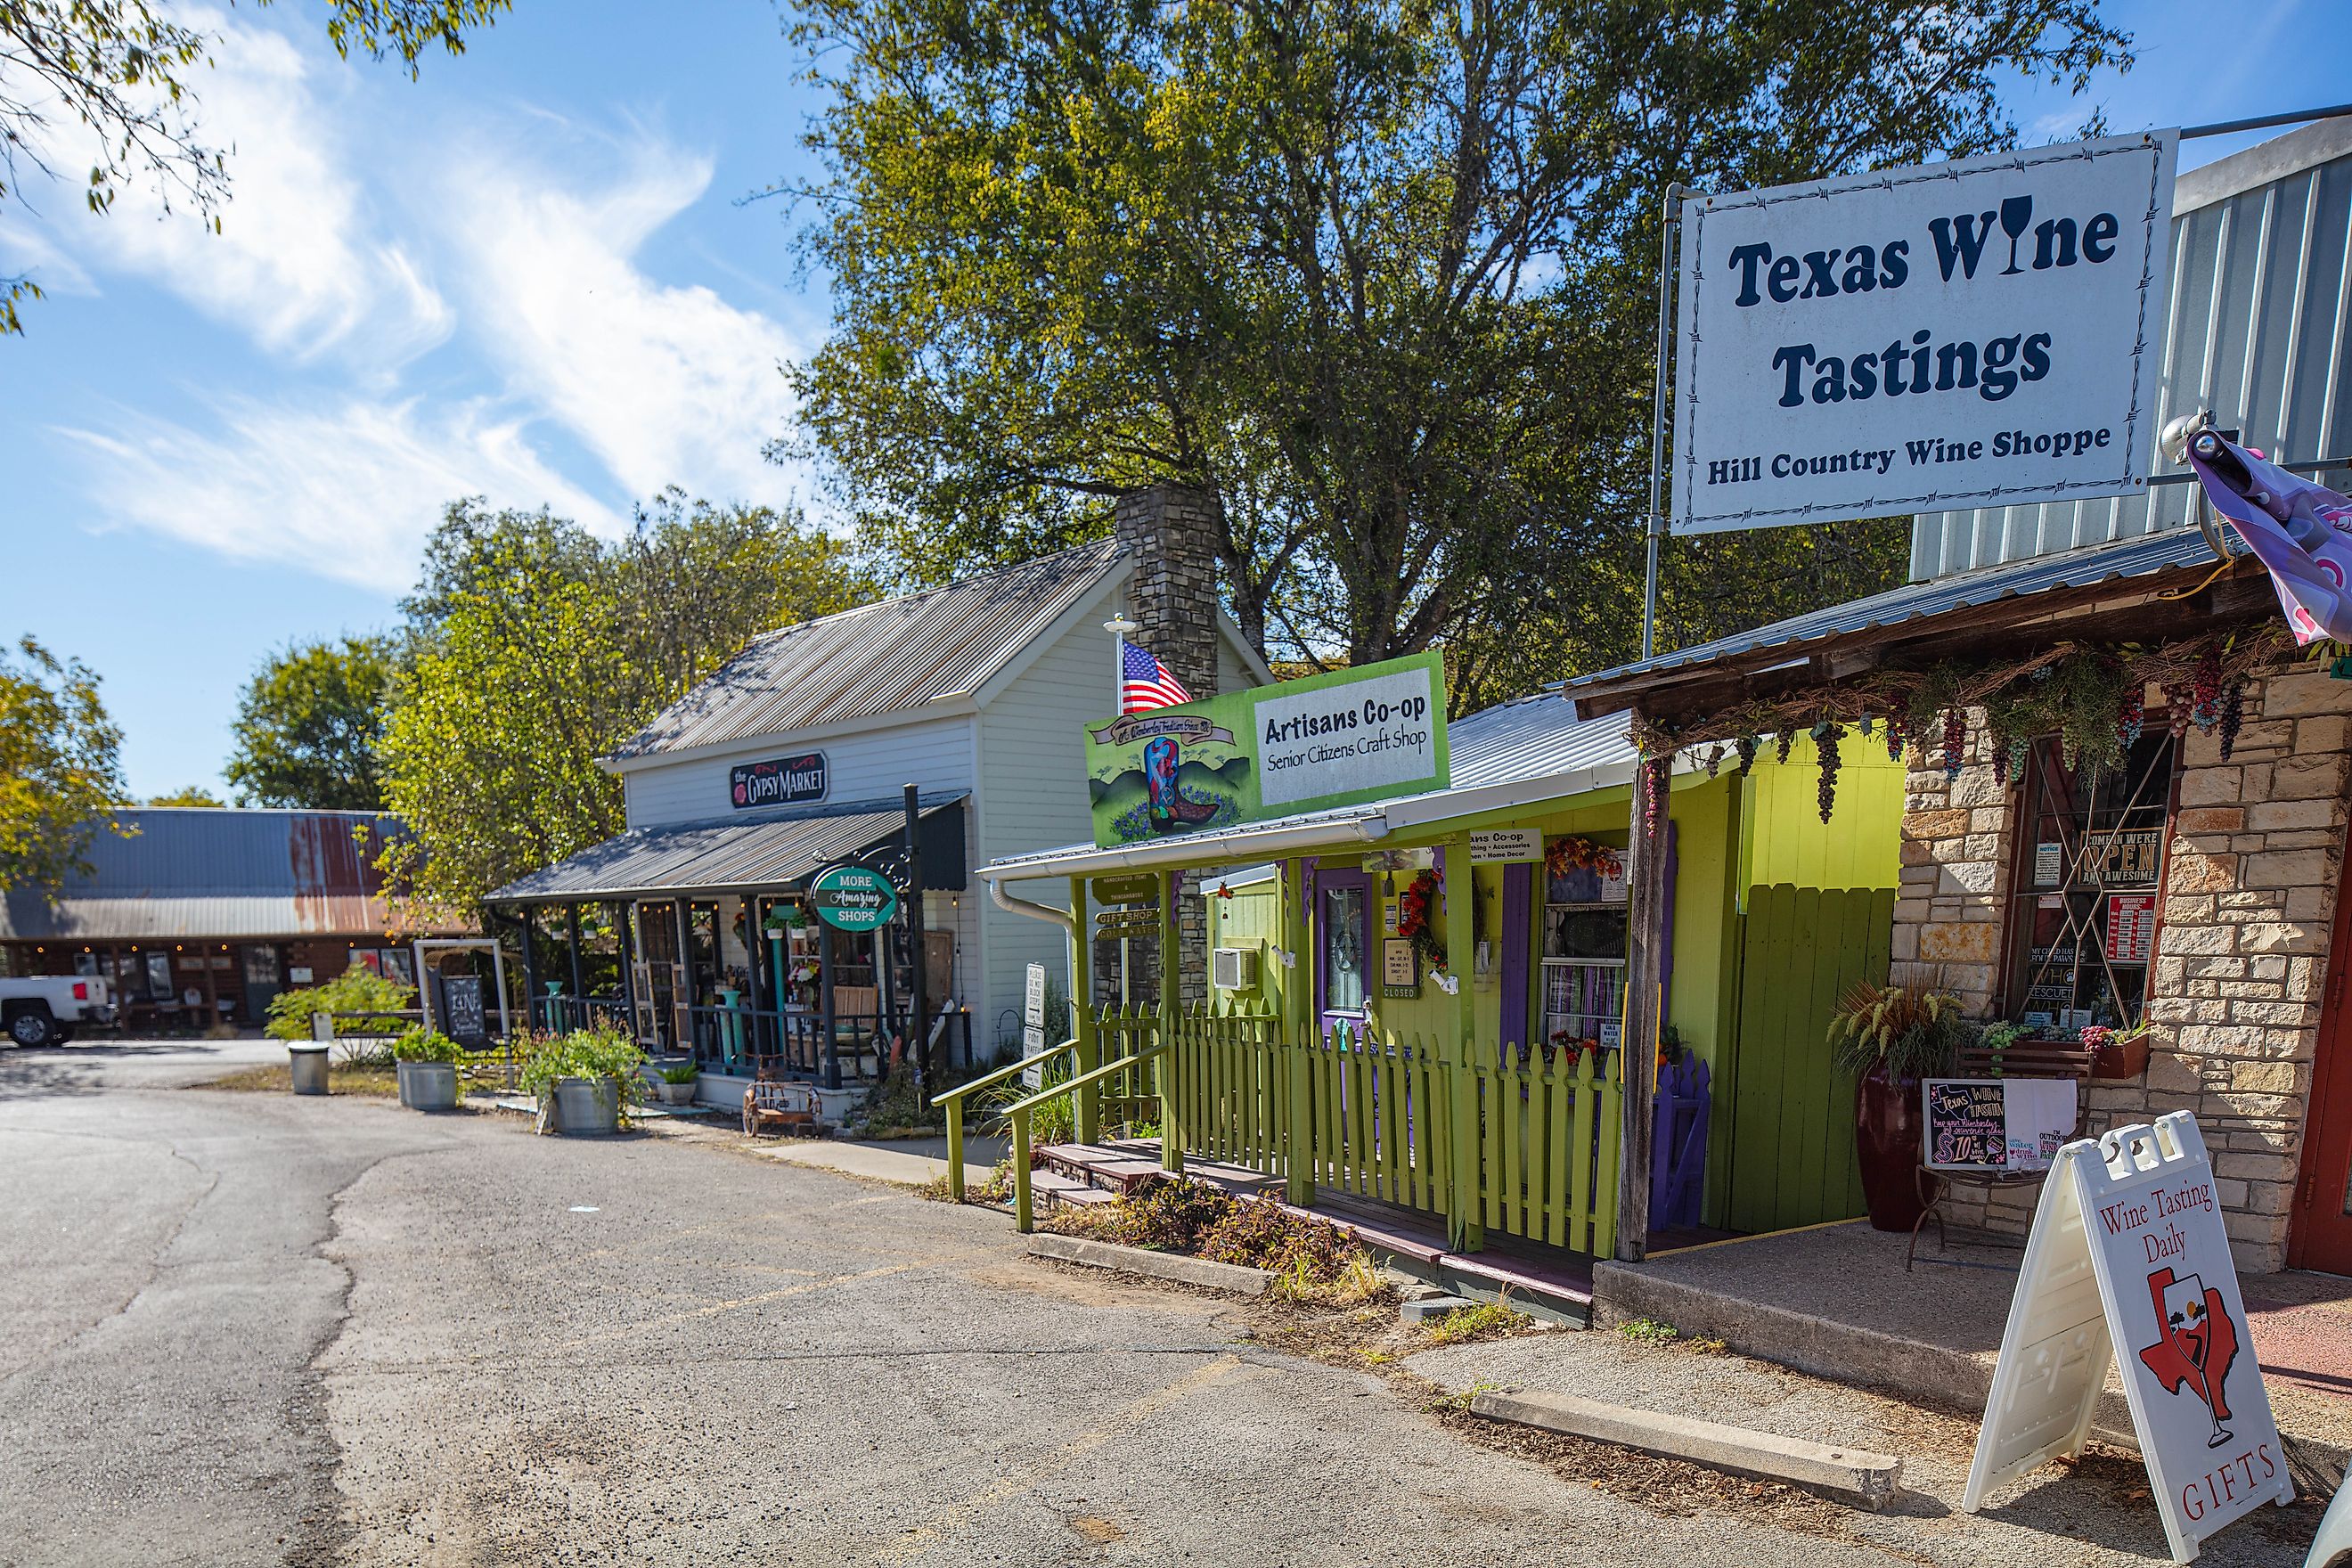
point(1886, 1142)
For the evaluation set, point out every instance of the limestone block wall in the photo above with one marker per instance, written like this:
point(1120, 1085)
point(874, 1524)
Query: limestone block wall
point(2253, 866)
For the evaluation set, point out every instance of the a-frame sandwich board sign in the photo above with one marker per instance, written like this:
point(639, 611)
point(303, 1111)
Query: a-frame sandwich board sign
point(2128, 1248)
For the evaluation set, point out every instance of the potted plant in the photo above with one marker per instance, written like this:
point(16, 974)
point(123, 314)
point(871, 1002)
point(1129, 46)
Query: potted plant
point(1890, 1038)
point(585, 1080)
point(426, 1062)
point(676, 1085)
point(2116, 1053)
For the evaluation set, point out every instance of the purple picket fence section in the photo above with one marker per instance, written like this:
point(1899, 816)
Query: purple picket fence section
point(1678, 1144)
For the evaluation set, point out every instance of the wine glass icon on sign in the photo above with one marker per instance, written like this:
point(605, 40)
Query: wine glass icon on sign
point(2016, 212)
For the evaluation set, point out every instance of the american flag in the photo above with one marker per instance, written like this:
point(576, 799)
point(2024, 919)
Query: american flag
point(1144, 682)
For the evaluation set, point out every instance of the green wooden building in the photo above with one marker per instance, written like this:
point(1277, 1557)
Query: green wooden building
point(1323, 1045)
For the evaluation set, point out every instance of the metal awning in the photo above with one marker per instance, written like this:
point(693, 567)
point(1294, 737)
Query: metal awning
point(777, 850)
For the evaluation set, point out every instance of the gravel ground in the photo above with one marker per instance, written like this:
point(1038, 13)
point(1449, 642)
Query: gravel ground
point(248, 1329)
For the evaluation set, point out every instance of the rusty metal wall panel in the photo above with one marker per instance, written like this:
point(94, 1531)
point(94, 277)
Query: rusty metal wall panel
point(2259, 330)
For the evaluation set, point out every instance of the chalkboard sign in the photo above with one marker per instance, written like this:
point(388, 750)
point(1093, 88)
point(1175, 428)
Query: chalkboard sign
point(462, 1017)
point(1996, 1125)
point(1968, 1125)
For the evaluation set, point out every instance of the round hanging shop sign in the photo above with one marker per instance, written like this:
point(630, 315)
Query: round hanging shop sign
point(853, 897)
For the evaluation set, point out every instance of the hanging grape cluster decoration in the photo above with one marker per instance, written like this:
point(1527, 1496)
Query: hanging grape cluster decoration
point(2091, 699)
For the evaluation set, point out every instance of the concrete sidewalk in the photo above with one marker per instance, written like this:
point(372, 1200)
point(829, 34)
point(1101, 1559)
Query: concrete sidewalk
point(909, 1161)
point(1835, 1301)
point(2096, 1511)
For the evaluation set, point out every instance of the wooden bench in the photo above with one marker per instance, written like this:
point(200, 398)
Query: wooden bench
point(2063, 1059)
point(773, 1102)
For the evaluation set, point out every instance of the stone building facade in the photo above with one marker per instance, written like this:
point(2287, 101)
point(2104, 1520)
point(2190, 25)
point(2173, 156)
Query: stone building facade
point(2253, 865)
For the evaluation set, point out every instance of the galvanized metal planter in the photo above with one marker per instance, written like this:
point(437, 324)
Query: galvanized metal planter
point(581, 1108)
point(428, 1086)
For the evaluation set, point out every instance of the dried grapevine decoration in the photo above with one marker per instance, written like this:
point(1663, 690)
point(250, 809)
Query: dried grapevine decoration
point(1826, 735)
point(2090, 697)
point(2233, 716)
point(1714, 759)
point(1745, 747)
point(1658, 780)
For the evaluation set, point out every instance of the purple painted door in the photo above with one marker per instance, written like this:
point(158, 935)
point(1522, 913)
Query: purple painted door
point(1519, 946)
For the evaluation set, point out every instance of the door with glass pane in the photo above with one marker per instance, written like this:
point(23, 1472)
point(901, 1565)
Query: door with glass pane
point(1343, 946)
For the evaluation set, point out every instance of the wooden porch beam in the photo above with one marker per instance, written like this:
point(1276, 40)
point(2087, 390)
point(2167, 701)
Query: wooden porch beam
point(1172, 999)
point(1646, 886)
point(1466, 1228)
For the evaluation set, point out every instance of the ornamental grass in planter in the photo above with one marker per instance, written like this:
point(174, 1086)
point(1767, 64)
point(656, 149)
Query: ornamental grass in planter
point(585, 1081)
point(426, 1062)
point(676, 1085)
point(1889, 1037)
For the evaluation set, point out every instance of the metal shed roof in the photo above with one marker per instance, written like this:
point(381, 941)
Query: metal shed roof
point(219, 874)
point(2093, 563)
point(880, 658)
point(776, 850)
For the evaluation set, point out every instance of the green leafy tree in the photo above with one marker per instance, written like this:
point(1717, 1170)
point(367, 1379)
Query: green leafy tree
point(60, 772)
point(195, 795)
point(533, 648)
point(1379, 275)
point(126, 72)
point(308, 726)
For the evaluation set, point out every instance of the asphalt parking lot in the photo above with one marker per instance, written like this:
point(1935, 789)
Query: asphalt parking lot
point(251, 1328)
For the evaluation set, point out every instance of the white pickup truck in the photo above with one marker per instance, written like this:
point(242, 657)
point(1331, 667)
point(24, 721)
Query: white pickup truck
point(45, 1009)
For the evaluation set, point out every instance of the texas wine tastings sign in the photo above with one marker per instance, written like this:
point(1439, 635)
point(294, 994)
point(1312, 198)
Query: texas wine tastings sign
point(1982, 332)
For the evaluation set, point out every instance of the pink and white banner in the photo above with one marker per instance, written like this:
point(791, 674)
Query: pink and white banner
point(2301, 530)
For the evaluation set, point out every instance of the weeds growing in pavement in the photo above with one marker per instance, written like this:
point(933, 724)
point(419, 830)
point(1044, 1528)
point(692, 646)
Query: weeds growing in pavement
point(1486, 1321)
point(1648, 1332)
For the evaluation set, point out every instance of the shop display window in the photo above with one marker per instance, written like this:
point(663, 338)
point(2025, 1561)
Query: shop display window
point(2082, 911)
point(1584, 935)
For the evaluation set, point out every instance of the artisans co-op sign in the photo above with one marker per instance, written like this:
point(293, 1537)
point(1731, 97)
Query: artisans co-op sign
point(1982, 332)
point(1329, 739)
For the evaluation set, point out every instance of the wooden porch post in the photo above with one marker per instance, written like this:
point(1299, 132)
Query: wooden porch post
point(1645, 887)
point(1466, 1226)
point(1172, 995)
point(1082, 992)
point(1296, 1020)
point(571, 932)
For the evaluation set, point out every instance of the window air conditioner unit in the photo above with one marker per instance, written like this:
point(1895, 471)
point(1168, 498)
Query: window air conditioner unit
point(1235, 969)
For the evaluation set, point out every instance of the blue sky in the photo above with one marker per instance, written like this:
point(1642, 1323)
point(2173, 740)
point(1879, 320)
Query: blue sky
point(525, 276)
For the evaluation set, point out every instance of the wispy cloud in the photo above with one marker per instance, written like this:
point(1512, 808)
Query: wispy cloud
point(300, 263)
point(508, 243)
point(664, 383)
point(347, 490)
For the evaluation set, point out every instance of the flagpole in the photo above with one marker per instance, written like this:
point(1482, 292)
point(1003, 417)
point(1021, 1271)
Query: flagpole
point(1118, 627)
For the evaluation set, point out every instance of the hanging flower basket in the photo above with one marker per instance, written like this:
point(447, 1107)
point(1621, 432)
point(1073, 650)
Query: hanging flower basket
point(1571, 853)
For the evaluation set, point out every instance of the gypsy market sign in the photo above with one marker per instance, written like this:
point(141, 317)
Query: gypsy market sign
point(1982, 332)
point(1359, 734)
point(853, 897)
point(2135, 1213)
point(779, 781)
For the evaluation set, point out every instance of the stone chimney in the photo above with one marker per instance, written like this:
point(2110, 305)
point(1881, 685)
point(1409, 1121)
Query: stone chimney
point(1171, 534)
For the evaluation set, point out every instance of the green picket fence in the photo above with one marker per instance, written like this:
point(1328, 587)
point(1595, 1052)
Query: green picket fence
point(1374, 1117)
point(1547, 1150)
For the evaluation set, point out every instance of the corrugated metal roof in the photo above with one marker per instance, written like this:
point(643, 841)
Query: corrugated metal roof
point(226, 873)
point(877, 658)
point(2259, 330)
point(726, 853)
point(1531, 738)
point(1941, 596)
